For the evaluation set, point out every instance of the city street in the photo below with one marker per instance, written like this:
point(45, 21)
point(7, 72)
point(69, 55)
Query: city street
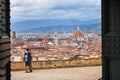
point(76, 73)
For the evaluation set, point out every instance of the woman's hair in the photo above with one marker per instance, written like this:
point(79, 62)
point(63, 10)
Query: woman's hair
point(27, 49)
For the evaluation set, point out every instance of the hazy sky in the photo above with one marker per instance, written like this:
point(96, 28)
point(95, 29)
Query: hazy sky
point(55, 9)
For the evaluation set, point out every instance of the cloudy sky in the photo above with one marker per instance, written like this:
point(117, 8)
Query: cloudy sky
point(22, 10)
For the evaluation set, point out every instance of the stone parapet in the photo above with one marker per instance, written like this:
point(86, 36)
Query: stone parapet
point(56, 64)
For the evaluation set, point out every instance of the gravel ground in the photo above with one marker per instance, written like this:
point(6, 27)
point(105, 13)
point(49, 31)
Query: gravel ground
point(76, 73)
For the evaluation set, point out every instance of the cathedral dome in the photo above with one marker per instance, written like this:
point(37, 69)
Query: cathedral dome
point(78, 33)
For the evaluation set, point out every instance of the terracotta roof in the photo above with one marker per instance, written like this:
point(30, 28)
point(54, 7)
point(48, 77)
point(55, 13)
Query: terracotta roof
point(32, 47)
point(78, 33)
point(46, 38)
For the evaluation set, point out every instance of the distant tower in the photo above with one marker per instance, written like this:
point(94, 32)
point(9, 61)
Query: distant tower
point(13, 39)
point(56, 38)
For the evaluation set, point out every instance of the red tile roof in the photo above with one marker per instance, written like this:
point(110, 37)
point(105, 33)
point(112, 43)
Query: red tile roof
point(78, 33)
point(46, 37)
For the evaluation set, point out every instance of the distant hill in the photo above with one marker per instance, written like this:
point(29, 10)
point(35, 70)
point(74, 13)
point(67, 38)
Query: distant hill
point(62, 25)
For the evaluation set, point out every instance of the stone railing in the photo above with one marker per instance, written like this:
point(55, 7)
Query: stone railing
point(57, 64)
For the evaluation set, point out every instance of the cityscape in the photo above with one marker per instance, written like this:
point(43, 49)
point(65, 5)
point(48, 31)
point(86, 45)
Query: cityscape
point(57, 46)
point(64, 37)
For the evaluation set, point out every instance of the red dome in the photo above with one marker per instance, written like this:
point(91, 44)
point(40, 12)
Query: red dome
point(78, 33)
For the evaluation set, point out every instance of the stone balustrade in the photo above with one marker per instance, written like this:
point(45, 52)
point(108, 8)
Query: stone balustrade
point(57, 64)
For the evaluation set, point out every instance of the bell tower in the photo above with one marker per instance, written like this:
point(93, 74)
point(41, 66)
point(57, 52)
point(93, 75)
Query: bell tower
point(56, 38)
point(13, 39)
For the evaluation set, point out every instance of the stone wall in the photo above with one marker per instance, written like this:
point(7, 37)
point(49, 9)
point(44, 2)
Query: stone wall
point(4, 40)
point(56, 64)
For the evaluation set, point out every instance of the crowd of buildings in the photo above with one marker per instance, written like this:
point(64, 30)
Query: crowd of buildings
point(69, 46)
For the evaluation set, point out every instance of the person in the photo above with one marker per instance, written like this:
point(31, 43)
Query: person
point(28, 61)
point(30, 66)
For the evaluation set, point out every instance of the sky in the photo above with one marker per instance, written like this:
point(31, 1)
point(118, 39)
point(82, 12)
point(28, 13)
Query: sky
point(22, 10)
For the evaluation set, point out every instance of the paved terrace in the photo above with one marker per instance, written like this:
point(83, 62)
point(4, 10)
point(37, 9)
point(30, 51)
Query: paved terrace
point(76, 73)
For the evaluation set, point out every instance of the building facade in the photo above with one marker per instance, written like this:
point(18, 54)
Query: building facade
point(4, 40)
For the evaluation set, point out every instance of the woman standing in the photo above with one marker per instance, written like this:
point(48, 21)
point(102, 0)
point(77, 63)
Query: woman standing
point(27, 59)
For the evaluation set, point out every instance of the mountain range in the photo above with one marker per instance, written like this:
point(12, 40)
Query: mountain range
point(60, 25)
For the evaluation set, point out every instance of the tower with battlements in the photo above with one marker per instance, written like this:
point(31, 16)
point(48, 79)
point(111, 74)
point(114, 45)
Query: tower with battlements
point(13, 39)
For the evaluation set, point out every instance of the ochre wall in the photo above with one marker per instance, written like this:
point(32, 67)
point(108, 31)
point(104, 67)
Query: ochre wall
point(56, 64)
